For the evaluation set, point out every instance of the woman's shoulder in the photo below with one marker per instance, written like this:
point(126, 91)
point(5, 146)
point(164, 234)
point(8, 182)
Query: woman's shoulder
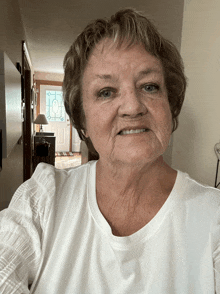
point(47, 174)
point(47, 184)
point(45, 168)
point(199, 205)
point(198, 188)
point(198, 196)
point(51, 179)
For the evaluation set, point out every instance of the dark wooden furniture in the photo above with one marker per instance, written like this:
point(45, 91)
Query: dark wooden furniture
point(44, 150)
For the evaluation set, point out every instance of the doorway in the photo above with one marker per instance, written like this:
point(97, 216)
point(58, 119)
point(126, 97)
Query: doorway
point(51, 104)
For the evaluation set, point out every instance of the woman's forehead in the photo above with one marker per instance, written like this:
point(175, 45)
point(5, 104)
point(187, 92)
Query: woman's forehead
point(111, 45)
point(108, 55)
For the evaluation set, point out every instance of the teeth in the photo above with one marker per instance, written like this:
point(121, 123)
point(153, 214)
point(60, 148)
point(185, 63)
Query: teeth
point(127, 132)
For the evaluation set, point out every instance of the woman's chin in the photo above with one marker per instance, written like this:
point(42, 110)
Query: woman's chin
point(134, 159)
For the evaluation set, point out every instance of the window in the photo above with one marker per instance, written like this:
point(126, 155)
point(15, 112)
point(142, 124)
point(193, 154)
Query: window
point(55, 110)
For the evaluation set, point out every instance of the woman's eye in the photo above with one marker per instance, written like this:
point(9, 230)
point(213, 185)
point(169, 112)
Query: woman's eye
point(106, 93)
point(151, 88)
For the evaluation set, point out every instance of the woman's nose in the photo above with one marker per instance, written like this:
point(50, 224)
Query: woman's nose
point(131, 104)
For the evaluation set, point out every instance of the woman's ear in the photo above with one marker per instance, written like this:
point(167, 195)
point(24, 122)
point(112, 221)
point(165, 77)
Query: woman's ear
point(85, 133)
point(83, 120)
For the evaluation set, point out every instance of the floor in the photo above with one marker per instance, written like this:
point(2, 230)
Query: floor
point(67, 161)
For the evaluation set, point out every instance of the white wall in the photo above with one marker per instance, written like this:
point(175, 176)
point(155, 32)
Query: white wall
point(199, 123)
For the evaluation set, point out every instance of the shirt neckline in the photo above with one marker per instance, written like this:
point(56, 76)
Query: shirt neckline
point(145, 232)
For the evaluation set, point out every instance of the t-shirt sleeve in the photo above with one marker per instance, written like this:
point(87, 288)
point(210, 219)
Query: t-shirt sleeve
point(22, 229)
point(216, 251)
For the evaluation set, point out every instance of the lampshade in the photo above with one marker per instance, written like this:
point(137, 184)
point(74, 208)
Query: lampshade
point(41, 120)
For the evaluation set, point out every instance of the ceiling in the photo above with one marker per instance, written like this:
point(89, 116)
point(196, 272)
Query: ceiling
point(52, 25)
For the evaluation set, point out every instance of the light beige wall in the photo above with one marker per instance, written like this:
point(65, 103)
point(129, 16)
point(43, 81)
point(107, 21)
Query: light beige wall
point(47, 76)
point(11, 36)
point(199, 128)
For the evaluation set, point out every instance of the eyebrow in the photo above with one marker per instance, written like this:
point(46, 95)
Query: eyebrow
point(148, 71)
point(140, 74)
point(104, 77)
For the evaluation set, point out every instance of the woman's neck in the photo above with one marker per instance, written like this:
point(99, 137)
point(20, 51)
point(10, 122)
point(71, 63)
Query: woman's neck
point(134, 185)
point(129, 198)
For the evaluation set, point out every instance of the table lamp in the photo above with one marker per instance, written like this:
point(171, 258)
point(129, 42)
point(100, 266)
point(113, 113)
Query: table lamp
point(41, 120)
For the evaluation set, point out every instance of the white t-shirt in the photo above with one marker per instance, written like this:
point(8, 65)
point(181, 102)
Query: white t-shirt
point(54, 235)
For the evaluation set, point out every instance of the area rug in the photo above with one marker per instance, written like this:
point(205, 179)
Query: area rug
point(67, 161)
point(67, 153)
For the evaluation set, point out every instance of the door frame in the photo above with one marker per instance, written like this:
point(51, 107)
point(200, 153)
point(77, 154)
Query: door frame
point(49, 83)
point(27, 114)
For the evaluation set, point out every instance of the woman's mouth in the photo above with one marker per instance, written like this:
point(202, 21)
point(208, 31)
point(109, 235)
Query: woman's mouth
point(137, 131)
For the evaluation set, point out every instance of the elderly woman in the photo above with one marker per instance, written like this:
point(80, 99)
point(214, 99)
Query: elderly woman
point(127, 222)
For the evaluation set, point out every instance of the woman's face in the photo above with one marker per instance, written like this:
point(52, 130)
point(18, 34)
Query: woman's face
point(127, 112)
